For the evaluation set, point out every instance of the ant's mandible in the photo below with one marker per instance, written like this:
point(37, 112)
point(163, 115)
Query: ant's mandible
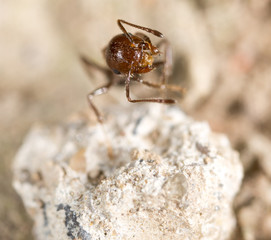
point(130, 55)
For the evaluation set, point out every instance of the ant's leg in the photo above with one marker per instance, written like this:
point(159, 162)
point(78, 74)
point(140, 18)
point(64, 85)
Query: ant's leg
point(161, 86)
point(100, 90)
point(96, 92)
point(167, 62)
point(158, 100)
point(166, 71)
point(92, 65)
point(152, 31)
point(90, 96)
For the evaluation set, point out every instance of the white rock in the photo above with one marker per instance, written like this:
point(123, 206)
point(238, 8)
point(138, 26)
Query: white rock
point(170, 178)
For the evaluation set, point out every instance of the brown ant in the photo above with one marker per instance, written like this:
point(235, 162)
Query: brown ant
point(131, 55)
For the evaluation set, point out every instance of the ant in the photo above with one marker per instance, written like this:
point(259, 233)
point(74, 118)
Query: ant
point(130, 55)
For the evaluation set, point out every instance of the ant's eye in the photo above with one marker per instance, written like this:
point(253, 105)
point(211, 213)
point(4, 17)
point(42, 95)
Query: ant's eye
point(116, 71)
point(145, 46)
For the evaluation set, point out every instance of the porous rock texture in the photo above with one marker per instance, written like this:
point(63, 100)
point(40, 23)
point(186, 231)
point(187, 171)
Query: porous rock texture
point(150, 172)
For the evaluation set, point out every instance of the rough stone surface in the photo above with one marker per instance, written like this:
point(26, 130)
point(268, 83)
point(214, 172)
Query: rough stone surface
point(150, 172)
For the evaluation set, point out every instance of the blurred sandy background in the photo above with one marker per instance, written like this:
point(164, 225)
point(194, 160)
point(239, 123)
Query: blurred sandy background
point(222, 55)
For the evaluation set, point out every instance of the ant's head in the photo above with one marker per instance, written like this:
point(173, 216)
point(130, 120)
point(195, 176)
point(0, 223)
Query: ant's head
point(147, 45)
point(149, 51)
